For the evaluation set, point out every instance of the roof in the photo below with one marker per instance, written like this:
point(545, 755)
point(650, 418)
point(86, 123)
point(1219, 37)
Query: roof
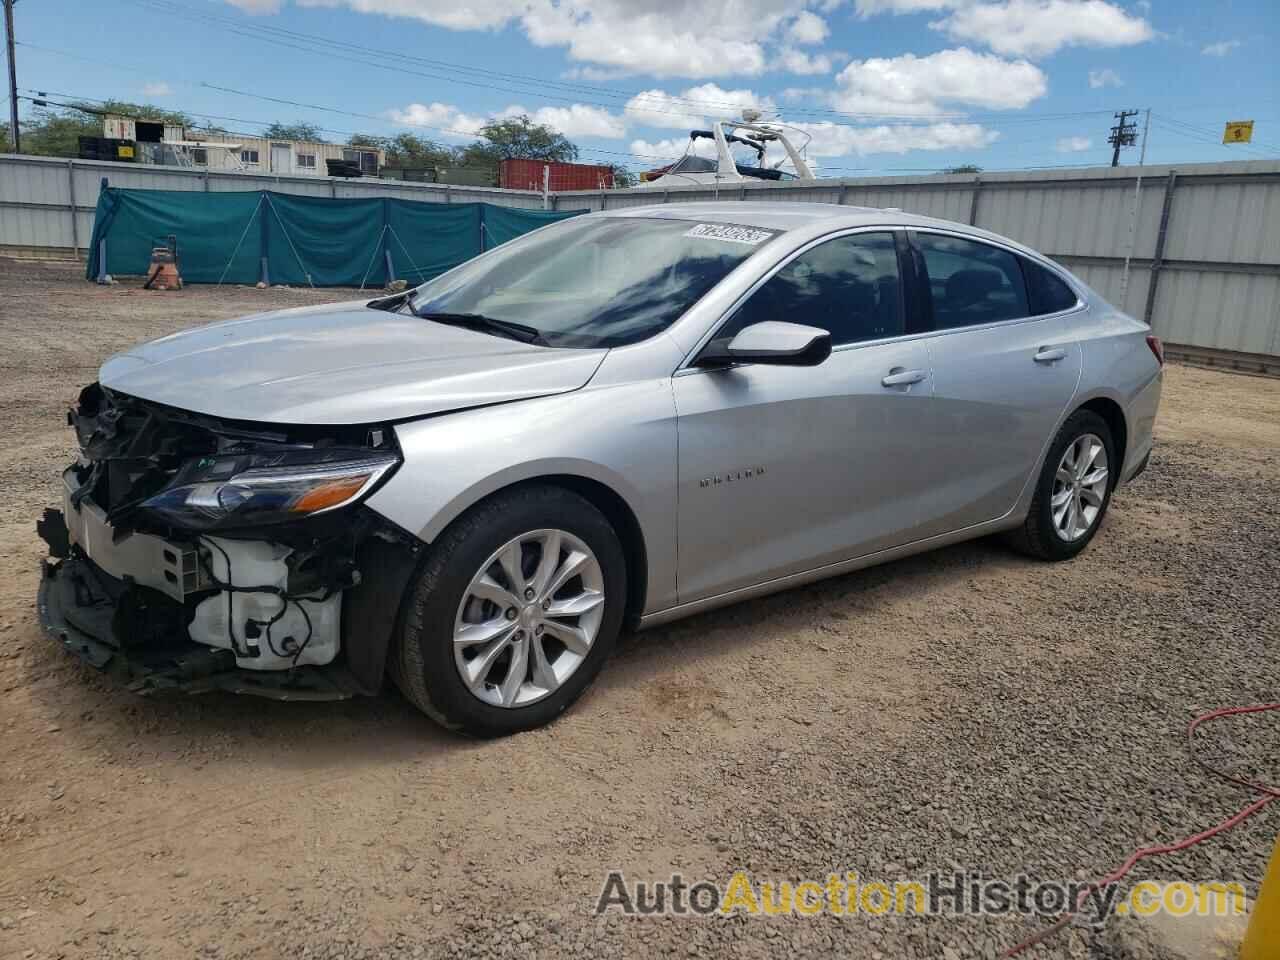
point(788, 215)
point(754, 213)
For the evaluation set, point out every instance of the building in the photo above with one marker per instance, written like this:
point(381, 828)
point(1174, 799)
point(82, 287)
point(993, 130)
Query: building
point(172, 145)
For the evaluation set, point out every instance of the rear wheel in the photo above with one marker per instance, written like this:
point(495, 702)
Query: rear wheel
point(1073, 490)
point(514, 613)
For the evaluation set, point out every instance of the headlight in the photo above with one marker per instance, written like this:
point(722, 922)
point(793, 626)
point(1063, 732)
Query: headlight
point(250, 489)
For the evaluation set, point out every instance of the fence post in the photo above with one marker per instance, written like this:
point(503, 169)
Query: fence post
point(102, 260)
point(264, 227)
point(1157, 259)
point(386, 249)
point(75, 214)
point(205, 178)
point(973, 201)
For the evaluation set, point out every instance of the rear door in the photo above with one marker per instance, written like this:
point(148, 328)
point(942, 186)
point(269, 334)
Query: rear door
point(1005, 365)
point(783, 469)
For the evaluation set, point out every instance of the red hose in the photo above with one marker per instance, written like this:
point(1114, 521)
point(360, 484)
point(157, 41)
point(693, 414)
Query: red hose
point(1270, 793)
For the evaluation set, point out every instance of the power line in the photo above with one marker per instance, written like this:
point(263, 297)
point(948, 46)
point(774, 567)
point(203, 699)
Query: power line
point(1208, 138)
point(291, 38)
point(1215, 137)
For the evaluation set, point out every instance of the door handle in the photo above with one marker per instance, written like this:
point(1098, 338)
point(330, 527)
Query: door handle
point(1049, 354)
point(898, 377)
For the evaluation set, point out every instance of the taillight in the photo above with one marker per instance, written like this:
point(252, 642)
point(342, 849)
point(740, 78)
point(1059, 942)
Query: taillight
point(1157, 348)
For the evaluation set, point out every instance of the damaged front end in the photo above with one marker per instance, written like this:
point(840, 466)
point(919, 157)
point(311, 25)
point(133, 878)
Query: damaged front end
point(197, 554)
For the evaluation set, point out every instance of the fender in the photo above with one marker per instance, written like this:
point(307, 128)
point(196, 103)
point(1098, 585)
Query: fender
point(454, 461)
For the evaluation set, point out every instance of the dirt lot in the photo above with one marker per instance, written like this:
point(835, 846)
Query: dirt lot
point(964, 710)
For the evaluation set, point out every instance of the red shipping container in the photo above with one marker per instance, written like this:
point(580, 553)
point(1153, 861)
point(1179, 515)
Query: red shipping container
point(527, 175)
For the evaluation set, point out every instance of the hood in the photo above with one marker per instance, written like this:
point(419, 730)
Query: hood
point(340, 364)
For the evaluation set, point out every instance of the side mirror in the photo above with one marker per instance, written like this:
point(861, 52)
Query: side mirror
point(774, 342)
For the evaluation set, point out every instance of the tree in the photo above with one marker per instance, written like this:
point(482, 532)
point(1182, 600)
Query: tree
point(294, 131)
point(408, 150)
point(622, 177)
point(518, 137)
point(964, 168)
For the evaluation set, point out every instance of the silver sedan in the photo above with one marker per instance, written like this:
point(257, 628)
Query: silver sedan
point(619, 419)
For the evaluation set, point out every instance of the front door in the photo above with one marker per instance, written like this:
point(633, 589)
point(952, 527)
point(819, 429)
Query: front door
point(281, 158)
point(783, 469)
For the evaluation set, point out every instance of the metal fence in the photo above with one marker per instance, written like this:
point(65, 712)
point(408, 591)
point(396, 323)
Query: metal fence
point(1194, 249)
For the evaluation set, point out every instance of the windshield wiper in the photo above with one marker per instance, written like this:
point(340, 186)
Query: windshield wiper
point(478, 321)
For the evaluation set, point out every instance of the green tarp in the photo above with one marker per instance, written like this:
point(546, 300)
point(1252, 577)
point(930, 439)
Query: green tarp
point(224, 237)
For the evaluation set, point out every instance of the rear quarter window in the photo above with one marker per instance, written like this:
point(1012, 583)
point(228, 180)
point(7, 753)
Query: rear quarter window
point(1047, 292)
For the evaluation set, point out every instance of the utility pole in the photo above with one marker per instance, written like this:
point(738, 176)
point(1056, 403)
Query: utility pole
point(1123, 134)
point(13, 76)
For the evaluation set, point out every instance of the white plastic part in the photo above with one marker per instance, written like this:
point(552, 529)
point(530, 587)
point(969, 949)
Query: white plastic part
point(259, 564)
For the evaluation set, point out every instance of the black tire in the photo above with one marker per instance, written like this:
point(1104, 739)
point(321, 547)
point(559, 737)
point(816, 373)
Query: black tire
point(422, 665)
point(1037, 537)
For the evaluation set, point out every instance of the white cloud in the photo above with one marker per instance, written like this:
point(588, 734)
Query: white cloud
point(578, 120)
point(440, 118)
point(1106, 77)
point(1037, 28)
point(490, 15)
point(1073, 144)
point(835, 140)
point(914, 86)
point(447, 121)
point(664, 151)
point(797, 61)
point(157, 89)
point(1221, 48)
point(691, 107)
point(807, 28)
point(680, 38)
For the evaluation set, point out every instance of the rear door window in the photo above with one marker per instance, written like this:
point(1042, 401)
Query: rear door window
point(970, 282)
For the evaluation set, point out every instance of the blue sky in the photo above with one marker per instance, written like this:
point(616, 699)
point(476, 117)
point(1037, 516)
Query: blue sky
point(881, 85)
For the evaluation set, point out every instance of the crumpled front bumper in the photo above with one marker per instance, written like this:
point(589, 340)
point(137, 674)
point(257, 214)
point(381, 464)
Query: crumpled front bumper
point(138, 636)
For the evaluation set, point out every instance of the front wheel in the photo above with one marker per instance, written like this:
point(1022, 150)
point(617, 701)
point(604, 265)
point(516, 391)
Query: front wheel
point(1073, 490)
point(515, 611)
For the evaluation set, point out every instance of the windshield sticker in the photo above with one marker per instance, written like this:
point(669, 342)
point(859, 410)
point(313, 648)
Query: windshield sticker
point(730, 234)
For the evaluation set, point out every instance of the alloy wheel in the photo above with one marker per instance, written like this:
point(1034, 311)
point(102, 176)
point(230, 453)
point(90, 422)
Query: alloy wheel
point(528, 618)
point(1079, 487)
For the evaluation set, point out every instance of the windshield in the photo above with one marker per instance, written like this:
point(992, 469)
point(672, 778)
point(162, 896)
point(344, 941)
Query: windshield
point(591, 282)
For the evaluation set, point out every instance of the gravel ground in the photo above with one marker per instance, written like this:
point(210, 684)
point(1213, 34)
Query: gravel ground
point(964, 710)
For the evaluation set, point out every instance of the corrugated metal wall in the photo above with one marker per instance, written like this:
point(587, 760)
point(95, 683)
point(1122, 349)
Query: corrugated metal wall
point(1216, 261)
point(1209, 234)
